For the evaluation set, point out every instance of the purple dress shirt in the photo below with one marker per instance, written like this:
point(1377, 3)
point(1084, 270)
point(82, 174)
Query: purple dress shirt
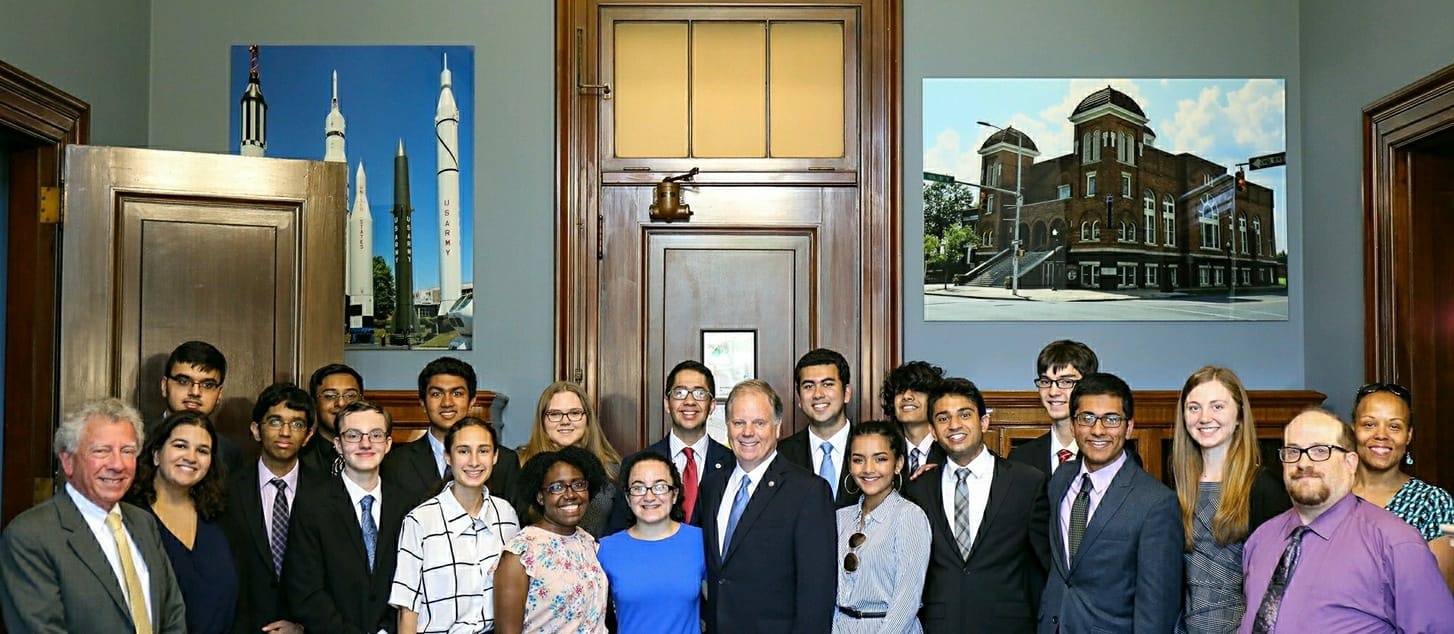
point(1362, 569)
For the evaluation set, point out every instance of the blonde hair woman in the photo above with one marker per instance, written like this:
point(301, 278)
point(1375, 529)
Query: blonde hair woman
point(1224, 494)
point(564, 418)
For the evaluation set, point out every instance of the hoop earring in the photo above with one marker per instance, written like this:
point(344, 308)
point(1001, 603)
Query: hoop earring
point(898, 481)
point(849, 483)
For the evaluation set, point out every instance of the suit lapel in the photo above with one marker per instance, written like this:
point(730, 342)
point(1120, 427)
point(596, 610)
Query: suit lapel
point(423, 460)
point(251, 501)
point(83, 543)
point(719, 457)
point(708, 503)
point(772, 480)
point(999, 490)
point(939, 523)
point(1058, 488)
point(154, 554)
point(337, 497)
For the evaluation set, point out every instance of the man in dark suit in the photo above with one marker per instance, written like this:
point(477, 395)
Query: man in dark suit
point(446, 390)
point(690, 396)
point(768, 529)
point(905, 400)
point(822, 379)
point(1058, 367)
point(343, 542)
point(83, 561)
point(1115, 532)
point(260, 502)
point(333, 387)
point(990, 520)
point(193, 381)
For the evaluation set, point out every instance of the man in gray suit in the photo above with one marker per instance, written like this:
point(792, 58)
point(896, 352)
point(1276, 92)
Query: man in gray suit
point(83, 561)
point(1115, 531)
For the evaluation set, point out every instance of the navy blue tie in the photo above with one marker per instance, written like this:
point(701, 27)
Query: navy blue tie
point(370, 529)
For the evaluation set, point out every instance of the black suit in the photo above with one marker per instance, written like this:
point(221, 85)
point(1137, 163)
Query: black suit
point(719, 457)
point(1036, 453)
point(326, 571)
point(997, 589)
point(260, 593)
point(412, 465)
point(318, 455)
point(780, 571)
point(803, 451)
point(936, 456)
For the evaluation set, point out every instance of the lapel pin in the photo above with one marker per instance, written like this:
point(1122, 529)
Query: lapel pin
point(771, 483)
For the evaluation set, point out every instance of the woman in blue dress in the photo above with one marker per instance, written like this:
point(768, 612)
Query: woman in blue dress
point(656, 567)
point(178, 480)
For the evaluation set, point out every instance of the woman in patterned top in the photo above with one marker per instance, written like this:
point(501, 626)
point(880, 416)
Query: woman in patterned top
point(549, 579)
point(1384, 426)
point(448, 546)
point(884, 539)
point(1224, 495)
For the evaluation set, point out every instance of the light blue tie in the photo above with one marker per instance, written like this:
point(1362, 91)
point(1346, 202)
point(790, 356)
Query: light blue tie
point(739, 504)
point(370, 529)
point(825, 470)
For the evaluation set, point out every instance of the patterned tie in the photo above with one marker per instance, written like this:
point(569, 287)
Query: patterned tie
point(689, 482)
point(134, 597)
point(825, 468)
point(1079, 513)
point(1272, 600)
point(370, 529)
point(739, 504)
point(914, 457)
point(1064, 455)
point(278, 536)
point(962, 535)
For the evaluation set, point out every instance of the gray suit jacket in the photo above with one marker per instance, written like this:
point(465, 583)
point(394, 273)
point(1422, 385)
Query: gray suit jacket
point(55, 578)
point(1126, 576)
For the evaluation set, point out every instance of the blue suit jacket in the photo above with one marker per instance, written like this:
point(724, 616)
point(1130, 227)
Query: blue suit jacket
point(1126, 575)
point(780, 571)
point(719, 457)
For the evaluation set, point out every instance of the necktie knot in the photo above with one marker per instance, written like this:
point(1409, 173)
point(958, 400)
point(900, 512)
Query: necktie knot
point(687, 451)
point(113, 520)
point(827, 448)
point(367, 503)
point(281, 485)
point(1086, 485)
point(1064, 455)
point(962, 473)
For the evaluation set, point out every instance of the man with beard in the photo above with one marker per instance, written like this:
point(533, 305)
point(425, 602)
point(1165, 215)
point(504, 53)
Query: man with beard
point(193, 382)
point(688, 402)
point(905, 400)
point(1334, 562)
point(333, 387)
point(822, 379)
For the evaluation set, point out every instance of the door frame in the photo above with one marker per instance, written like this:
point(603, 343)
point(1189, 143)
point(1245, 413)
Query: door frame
point(577, 177)
point(53, 119)
point(1396, 345)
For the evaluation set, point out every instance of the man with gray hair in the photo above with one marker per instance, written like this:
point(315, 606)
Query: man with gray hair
point(83, 561)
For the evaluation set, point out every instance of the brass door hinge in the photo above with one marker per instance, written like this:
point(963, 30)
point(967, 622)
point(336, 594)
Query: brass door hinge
point(50, 205)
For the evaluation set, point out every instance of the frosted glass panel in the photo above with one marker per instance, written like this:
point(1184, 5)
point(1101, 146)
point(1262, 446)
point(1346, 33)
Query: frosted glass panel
point(651, 89)
point(807, 89)
point(729, 95)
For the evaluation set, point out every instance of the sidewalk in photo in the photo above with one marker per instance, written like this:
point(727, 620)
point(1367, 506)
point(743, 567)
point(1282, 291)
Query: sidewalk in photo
point(1045, 294)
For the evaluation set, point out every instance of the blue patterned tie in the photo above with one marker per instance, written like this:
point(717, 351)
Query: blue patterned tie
point(739, 504)
point(278, 533)
point(914, 460)
point(825, 469)
point(370, 529)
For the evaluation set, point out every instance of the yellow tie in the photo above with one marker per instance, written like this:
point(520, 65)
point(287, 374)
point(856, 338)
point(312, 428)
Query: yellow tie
point(134, 595)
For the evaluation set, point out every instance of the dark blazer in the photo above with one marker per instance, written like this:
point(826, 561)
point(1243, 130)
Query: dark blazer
point(780, 571)
point(1036, 453)
point(260, 599)
point(936, 456)
point(997, 589)
point(318, 454)
point(1127, 574)
point(54, 576)
point(798, 449)
point(412, 465)
point(719, 457)
point(329, 587)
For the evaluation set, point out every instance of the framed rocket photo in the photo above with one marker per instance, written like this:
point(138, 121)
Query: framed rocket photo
point(402, 118)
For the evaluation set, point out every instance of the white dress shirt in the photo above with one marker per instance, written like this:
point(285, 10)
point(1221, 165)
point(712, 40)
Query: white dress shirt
point(269, 492)
point(839, 454)
point(356, 493)
point(924, 446)
point(981, 475)
point(699, 454)
point(1055, 448)
point(437, 446)
point(724, 510)
point(95, 517)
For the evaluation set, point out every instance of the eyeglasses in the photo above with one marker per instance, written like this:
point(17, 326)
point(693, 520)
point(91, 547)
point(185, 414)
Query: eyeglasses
point(347, 397)
point(276, 423)
point(186, 382)
point(1062, 383)
point(680, 393)
point(354, 436)
point(660, 488)
point(850, 561)
point(1392, 388)
point(555, 415)
point(1111, 421)
point(1315, 453)
point(557, 488)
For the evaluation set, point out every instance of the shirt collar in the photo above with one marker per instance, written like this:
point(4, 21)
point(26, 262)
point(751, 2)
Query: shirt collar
point(356, 493)
point(437, 446)
point(980, 467)
point(89, 510)
point(675, 445)
point(457, 520)
point(886, 508)
point(1101, 478)
point(265, 476)
point(1056, 446)
point(924, 445)
point(756, 473)
point(839, 440)
point(1324, 525)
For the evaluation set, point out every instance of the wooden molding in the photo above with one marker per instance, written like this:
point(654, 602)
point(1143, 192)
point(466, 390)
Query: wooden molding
point(410, 421)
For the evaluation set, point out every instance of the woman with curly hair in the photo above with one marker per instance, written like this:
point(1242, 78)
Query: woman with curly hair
point(564, 418)
point(178, 481)
point(549, 579)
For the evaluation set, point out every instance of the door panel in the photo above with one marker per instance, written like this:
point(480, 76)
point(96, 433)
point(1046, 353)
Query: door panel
point(163, 247)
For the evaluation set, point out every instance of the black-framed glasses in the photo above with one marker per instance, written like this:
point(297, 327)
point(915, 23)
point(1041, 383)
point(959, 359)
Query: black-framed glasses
point(850, 561)
point(1315, 453)
point(660, 488)
point(1064, 383)
point(276, 423)
point(557, 488)
point(186, 382)
point(355, 436)
point(1392, 388)
point(681, 393)
point(1111, 421)
point(574, 415)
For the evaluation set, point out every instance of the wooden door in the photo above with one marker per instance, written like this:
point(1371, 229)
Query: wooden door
point(164, 247)
point(791, 237)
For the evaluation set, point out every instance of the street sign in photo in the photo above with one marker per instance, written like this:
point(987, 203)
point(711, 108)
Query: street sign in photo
point(938, 178)
point(1267, 160)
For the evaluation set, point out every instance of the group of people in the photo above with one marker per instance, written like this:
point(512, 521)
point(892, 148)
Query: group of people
point(905, 524)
